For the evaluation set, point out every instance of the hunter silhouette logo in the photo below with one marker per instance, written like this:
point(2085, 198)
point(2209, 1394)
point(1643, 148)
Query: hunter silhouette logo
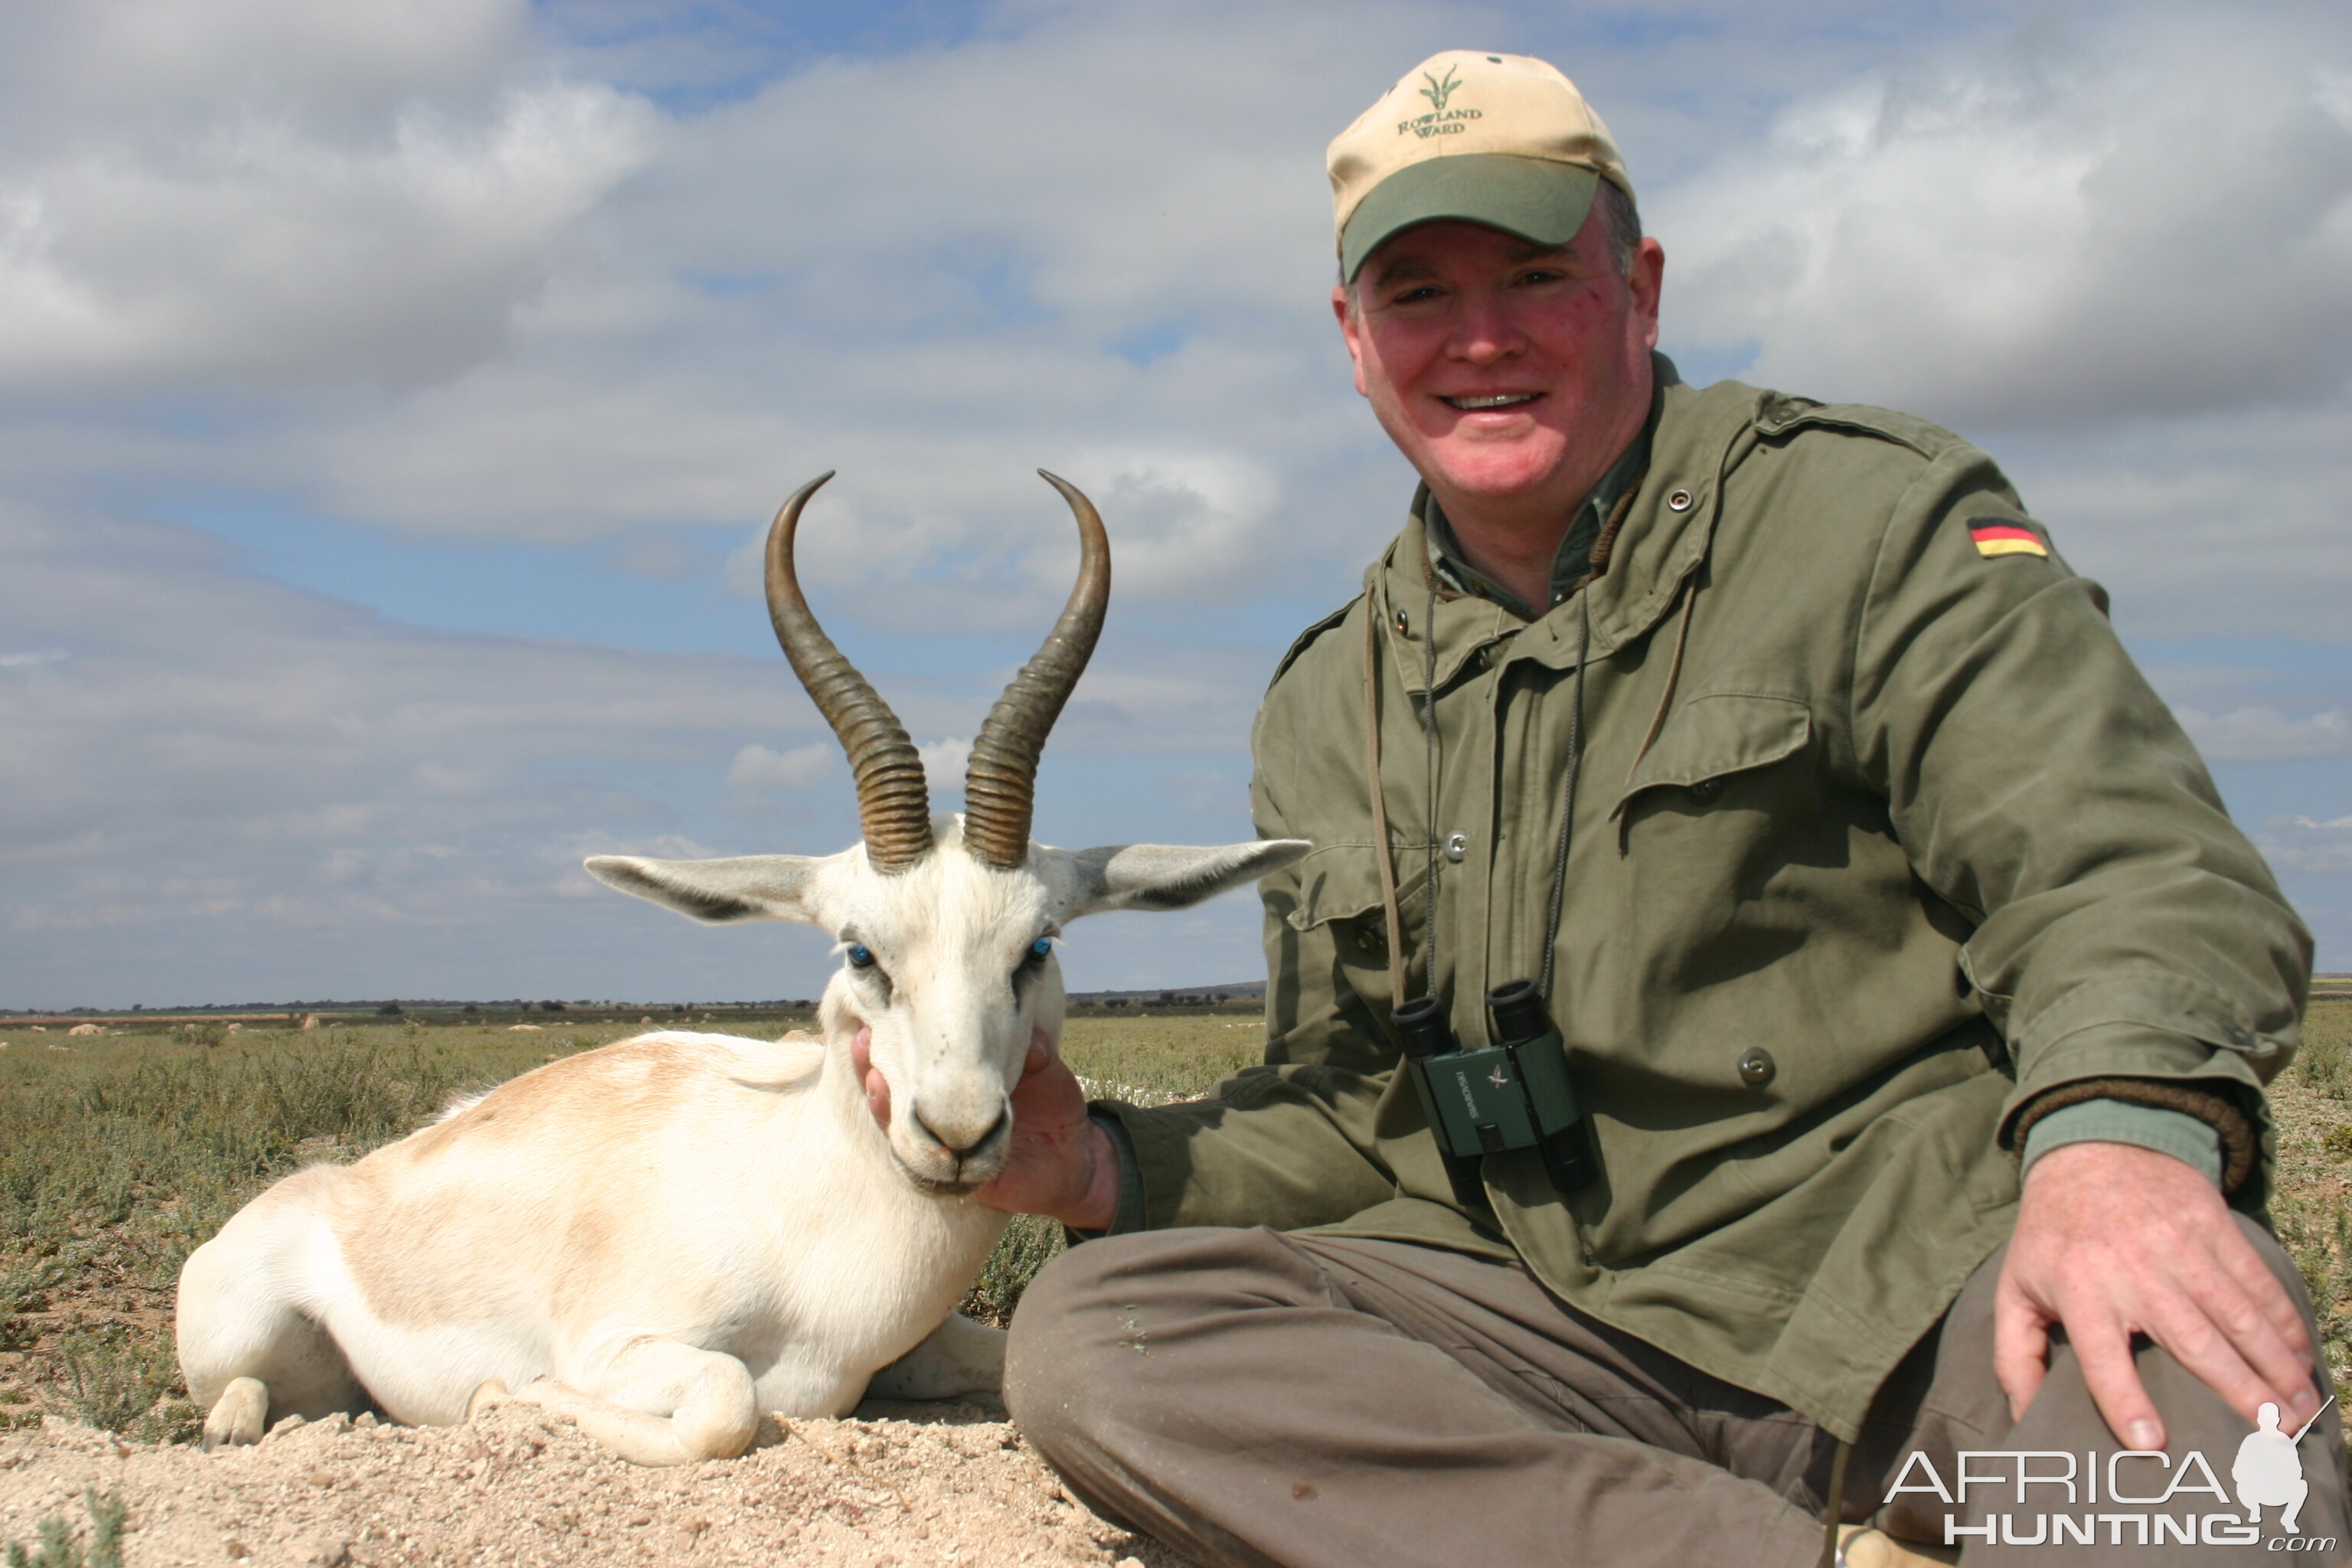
point(2269, 1472)
point(1437, 91)
point(2136, 1498)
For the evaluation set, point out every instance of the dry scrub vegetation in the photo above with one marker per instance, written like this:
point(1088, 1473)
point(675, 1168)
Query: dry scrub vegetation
point(120, 1153)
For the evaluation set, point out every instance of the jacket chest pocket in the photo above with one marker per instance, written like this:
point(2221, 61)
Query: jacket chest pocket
point(1717, 753)
point(1340, 896)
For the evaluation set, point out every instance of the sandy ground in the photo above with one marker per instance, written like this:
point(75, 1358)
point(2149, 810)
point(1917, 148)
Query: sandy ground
point(912, 1485)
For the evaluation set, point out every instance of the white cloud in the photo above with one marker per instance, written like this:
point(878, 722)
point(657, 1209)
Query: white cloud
point(2266, 735)
point(944, 761)
point(2300, 844)
point(757, 769)
point(255, 790)
point(289, 234)
point(30, 660)
point(2146, 212)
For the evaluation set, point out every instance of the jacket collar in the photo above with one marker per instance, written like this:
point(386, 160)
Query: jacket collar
point(1700, 436)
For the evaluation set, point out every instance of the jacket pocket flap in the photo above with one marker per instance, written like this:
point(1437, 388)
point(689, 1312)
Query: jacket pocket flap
point(1340, 881)
point(1726, 733)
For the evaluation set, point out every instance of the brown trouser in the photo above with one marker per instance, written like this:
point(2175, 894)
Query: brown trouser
point(1251, 1397)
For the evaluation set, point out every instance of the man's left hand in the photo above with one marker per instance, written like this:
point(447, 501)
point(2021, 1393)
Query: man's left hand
point(2114, 1240)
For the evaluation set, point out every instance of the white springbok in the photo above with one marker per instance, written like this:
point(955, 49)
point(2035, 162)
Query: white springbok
point(669, 1235)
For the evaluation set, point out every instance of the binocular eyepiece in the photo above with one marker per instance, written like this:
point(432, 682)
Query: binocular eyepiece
point(1491, 1100)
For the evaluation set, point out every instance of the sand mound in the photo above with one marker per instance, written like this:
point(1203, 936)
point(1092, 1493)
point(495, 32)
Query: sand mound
point(905, 1486)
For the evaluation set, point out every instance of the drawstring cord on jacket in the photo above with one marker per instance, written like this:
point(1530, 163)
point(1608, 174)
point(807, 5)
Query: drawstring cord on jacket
point(1830, 1558)
point(1379, 803)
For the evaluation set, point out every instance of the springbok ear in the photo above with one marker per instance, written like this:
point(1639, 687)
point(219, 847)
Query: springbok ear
point(717, 892)
point(1171, 876)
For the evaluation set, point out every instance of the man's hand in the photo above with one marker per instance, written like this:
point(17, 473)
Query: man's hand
point(2114, 1240)
point(1060, 1165)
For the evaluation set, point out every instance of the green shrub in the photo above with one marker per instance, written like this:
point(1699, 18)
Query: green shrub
point(1029, 1242)
point(121, 1383)
point(2326, 1060)
point(57, 1548)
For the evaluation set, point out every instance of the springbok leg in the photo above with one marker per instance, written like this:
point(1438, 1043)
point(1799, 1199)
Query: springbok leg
point(711, 1412)
point(960, 1358)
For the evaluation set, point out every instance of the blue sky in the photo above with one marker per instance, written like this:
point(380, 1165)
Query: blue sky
point(392, 398)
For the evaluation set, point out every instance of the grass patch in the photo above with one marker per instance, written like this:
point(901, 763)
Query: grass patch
point(2311, 1109)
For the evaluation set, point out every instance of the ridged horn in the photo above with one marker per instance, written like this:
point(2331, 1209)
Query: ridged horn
point(894, 807)
point(1000, 785)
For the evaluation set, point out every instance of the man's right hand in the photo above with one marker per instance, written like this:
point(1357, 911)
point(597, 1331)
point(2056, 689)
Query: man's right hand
point(1061, 1164)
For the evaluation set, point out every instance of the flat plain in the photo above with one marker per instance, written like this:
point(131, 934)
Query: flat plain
point(120, 1151)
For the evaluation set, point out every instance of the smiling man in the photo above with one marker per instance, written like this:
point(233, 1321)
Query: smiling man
point(1916, 994)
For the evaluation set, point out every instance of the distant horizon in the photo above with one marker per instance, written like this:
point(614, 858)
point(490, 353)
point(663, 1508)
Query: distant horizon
point(1235, 990)
point(1231, 990)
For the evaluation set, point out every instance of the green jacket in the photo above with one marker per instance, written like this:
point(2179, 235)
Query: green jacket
point(1902, 814)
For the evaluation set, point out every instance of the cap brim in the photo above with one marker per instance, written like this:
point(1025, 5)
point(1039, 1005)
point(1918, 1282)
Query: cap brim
point(1541, 201)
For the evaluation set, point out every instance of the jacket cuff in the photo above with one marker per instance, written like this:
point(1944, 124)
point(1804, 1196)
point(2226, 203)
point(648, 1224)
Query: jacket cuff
point(1128, 1216)
point(2183, 1137)
point(2240, 1144)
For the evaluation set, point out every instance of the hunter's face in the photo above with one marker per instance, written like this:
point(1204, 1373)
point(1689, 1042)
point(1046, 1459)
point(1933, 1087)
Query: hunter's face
point(1505, 371)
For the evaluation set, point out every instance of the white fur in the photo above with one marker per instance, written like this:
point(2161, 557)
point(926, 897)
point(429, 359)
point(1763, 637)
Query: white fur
point(667, 1235)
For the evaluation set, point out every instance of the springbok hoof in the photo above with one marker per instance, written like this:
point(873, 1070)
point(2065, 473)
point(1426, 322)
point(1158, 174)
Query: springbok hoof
point(492, 1392)
point(237, 1416)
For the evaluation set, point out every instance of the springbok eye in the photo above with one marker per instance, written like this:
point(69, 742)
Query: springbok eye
point(860, 956)
point(1033, 959)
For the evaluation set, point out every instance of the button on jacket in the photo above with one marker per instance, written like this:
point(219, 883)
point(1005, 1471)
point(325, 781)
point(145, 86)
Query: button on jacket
point(1899, 840)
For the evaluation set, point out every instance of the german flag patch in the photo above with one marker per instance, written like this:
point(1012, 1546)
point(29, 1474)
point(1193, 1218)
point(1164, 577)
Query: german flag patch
point(1995, 538)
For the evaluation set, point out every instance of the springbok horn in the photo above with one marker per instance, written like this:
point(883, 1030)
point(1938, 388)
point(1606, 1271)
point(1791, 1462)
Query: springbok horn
point(1001, 781)
point(894, 808)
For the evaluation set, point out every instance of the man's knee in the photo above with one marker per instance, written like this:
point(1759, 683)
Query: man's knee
point(1084, 1325)
point(1043, 1374)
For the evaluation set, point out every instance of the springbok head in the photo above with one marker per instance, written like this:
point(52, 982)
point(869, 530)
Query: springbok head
point(946, 924)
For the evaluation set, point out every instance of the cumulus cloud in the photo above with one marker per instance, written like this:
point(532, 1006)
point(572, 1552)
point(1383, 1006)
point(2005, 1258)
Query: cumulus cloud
point(287, 233)
point(2146, 212)
point(241, 783)
point(2230, 525)
point(944, 761)
point(2298, 843)
point(756, 769)
point(2266, 735)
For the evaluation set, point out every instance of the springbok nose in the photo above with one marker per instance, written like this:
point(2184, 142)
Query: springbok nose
point(964, 1150)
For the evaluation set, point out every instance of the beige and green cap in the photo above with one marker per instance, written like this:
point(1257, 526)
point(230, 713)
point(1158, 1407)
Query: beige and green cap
point(1501, 140)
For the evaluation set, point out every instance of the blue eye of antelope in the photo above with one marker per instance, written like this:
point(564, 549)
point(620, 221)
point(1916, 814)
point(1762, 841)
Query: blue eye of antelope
point(860, 956)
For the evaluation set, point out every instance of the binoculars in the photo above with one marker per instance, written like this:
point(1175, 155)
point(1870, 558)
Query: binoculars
point(1490, 1099)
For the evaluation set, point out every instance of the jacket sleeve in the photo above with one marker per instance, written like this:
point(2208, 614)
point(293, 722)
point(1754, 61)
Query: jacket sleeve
point(2126, 930)
point(1289, 1144)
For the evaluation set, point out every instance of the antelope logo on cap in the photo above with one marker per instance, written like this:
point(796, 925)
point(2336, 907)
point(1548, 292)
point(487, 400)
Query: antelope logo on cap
point(1437, 91)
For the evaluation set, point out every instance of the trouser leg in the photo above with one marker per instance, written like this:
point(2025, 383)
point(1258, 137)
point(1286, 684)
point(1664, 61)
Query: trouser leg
point(2119, 1501)
point(1253, 1398)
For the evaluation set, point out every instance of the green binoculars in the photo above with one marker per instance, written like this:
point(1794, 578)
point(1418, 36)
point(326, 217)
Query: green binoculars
point(1491, 1100)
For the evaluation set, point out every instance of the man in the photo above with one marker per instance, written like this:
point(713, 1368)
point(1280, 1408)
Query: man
point(1858, 865)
